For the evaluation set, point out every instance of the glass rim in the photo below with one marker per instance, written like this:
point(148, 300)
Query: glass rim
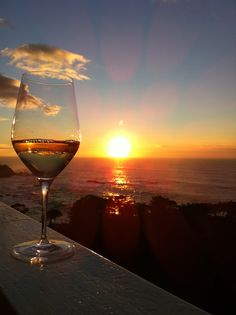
point(56, 78)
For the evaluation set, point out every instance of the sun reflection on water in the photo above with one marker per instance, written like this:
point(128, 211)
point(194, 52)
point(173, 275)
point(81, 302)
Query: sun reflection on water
point(120, 205)
point(119, 177)
point(119, 198)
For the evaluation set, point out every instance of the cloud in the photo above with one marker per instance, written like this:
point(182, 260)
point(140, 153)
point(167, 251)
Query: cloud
point(47, 60)
point(4, 119)
point(8, 94)
point(51, 110)
point(29, 101)
point(8, 91)
point(4, 22)
point(5, 146)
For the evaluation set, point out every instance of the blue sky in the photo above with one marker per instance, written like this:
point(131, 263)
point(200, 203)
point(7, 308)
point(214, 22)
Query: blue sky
point(165, 68)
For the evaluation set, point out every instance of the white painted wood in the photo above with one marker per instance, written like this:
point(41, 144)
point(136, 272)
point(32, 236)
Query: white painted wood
point(84, 284)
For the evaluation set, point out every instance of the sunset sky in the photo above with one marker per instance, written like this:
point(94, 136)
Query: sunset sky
point(161, 72)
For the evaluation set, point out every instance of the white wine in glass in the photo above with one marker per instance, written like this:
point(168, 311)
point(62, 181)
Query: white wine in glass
point(46, 136)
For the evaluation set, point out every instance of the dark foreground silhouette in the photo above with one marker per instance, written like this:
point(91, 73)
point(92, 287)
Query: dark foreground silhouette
point(6, 171)
point(188, 250)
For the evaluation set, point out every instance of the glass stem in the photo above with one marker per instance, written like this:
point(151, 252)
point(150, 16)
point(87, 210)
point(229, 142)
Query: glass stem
point(45, 185)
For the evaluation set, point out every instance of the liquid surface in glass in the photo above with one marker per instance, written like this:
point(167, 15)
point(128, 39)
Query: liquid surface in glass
point(45, 158)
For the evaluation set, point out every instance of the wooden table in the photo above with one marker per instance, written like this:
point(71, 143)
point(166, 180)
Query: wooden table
point(84, 284)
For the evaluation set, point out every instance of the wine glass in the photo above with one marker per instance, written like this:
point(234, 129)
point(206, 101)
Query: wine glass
point(46, 136)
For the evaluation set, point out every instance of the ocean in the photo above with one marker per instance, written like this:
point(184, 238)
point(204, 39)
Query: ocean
point(183, 180)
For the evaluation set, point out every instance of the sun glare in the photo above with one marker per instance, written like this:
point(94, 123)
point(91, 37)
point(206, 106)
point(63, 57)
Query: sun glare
point(119, 147)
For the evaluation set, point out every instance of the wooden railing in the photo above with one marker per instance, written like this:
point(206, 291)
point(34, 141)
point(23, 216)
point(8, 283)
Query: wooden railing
point(83, 284)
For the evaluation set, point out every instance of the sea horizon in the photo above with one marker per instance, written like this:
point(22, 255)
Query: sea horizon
point(140, 179)
point(9, 159)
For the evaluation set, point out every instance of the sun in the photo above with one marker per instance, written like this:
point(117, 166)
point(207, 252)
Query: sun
point(119, 147)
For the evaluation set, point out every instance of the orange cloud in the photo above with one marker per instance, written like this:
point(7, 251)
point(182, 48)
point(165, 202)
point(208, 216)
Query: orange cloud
point(29, 101)
point(4, 119)
point(47, 60)
point(8, 95)
point(8, 91)
point(4, 146)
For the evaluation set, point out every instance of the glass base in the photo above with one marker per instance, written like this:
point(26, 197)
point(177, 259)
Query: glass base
point(38, 253)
